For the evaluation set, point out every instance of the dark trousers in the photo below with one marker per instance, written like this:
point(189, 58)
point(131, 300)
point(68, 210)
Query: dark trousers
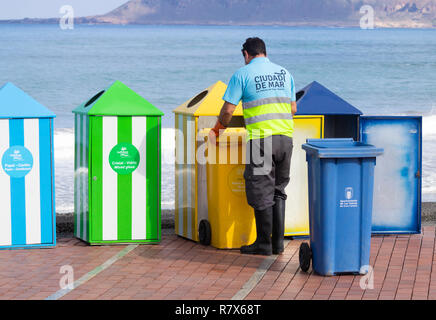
point(267, 170)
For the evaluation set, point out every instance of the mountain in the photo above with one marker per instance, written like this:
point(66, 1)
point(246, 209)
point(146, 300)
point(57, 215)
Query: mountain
point(388, 13)
point(340, 13)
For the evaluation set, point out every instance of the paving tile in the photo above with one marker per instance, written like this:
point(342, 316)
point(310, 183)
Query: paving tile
point(181, 269)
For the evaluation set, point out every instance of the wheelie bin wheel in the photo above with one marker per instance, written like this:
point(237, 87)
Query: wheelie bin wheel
point(305, 256)
point(204, 232)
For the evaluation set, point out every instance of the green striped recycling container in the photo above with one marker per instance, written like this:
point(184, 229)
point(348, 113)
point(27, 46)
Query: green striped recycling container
point(117, 174)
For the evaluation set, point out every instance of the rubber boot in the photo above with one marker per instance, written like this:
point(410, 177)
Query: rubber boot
point(262, 245)
point(278, 227)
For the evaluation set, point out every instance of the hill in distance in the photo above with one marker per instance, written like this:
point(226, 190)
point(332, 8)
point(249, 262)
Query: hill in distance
point(388, 13)
point(339, 13)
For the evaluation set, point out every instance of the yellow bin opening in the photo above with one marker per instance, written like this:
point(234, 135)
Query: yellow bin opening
point(231, 219)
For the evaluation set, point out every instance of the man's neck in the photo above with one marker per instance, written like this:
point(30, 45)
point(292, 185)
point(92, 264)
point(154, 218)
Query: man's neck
point(258, 56)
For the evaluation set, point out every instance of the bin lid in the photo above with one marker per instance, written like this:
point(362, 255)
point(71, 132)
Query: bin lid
point(340, 148)
point(118, 100)
point(15, 103)
point(315, 99)
point(207, 103)
point(227, 135)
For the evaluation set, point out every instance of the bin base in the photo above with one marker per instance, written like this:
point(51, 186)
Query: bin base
point(113, 243)
point(334, 274)
point(28, 247)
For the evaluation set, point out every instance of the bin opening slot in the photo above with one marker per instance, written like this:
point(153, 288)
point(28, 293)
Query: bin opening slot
point(197, 99)
point(210, 121)
point(94, 98)
point(237, 122)
point(341, 126)
point(300, 94)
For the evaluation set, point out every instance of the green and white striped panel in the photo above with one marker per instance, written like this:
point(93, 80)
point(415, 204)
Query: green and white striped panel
point(81, 177)
point(125, 207)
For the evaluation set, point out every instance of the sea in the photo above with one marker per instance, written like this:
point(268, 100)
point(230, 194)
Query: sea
point(379, 71)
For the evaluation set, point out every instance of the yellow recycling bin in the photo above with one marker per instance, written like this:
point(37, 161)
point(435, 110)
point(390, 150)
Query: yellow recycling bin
point(231, 223)
point(191, 118)
point(297, 204)
point(191, 203)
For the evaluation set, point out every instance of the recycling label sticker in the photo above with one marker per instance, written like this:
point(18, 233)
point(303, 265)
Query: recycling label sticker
point(124, 158)
point(236, 181)
point(349, 202)
point(17, 161)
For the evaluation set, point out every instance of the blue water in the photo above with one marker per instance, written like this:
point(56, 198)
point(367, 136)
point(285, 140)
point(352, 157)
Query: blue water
point(386, 71)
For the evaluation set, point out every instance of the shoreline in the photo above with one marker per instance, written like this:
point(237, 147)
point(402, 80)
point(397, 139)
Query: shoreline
point(65, 221)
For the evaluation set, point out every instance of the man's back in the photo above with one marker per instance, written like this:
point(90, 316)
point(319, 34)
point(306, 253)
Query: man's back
point(263, 79)
point(266, 90)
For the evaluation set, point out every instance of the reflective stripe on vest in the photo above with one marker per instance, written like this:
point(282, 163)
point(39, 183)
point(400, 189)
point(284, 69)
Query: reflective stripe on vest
point(268, 116)
point(272, 116)
point(256, 103)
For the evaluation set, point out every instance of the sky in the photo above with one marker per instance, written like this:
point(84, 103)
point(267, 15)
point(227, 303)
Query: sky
point(18, 9)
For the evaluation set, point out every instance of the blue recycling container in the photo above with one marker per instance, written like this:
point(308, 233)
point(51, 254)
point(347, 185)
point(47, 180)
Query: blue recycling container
point(398, 171)
point(341, 179)
point(27, 195)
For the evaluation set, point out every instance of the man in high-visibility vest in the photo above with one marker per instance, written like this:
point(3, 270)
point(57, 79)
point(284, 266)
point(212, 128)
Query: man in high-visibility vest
point(267, 92)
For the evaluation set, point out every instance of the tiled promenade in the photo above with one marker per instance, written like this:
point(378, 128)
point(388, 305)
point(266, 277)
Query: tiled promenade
point(181, 269)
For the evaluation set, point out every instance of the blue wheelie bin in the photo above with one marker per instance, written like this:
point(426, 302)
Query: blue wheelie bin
point(341, 179)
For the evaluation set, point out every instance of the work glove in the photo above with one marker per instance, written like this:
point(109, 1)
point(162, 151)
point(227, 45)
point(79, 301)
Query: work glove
point(216, 131)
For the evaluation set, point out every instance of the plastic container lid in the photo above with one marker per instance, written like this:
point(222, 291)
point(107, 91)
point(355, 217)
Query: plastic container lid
point(340, 148)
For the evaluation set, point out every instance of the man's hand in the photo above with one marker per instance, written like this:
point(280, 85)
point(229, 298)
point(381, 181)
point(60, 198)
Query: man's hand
point(212, 137)
point(216, 131)
point(294, 107)
point(223, 121)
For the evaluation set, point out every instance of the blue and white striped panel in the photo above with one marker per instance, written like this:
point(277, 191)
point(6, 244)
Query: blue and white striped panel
point(26, 217)
point(5, 194)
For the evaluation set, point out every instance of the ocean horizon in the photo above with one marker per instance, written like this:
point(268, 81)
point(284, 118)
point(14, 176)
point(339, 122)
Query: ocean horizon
point(380, 72)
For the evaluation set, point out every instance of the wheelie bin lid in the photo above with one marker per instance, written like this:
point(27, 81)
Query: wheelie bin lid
point(340, 148)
